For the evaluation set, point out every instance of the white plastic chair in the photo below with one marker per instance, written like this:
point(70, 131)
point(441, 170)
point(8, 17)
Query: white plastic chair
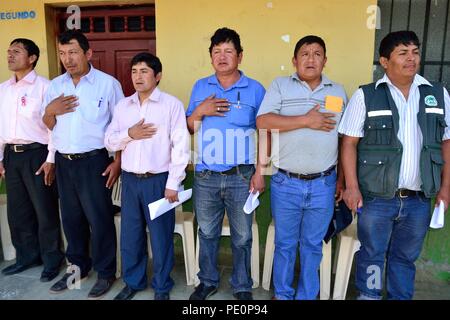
point(184, 226)
point(9, 252)
point(325, 265)
point(255, 250)
point(347, 245)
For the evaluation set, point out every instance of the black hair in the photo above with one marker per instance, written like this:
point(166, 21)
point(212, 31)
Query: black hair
point(150, 60)
point(226, 35)
point(394, 39)
point(66, 36)
point(310, 40)
point(30, 46)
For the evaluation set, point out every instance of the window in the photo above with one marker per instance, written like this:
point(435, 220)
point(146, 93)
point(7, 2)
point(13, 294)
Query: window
point(429, 19)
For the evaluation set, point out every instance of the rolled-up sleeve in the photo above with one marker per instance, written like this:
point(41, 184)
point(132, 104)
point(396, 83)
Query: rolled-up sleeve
point(352, 122)
point(447, 115)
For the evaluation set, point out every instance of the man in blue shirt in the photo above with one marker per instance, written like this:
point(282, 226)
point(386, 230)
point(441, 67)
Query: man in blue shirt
point(222, 112)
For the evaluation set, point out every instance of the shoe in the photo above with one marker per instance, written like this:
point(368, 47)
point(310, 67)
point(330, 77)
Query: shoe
point(100, 288)
point(126, 293)
point(61, 285)
point(17, 268)
point(162, 296)
point(202, 292)
point(48, 275)
point(243, 295)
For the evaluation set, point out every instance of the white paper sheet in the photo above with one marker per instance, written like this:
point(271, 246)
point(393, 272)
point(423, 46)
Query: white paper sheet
point(252, 202)
point(437, 220)
point(161, 206)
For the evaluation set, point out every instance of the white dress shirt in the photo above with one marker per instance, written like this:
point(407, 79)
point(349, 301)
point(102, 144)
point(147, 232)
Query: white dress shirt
point(84, 130)
point(20, 117)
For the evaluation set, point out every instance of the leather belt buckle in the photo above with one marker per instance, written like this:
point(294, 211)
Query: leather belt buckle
point(18, 150)
point(403, 193)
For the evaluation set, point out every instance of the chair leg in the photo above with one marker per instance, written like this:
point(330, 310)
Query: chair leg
point(347, 249)
point(325, 271)
point(197, 267)
point(117, 219)
point(335, 260)
point(190, 250)
point(9, 252)
point(268, 257)
point(255, 255)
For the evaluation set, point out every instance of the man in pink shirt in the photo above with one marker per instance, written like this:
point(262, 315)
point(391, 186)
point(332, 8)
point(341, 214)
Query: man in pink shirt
point(149, 128)
point(27, 164)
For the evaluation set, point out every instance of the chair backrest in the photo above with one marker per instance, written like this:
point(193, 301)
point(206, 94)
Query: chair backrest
point(117, 192)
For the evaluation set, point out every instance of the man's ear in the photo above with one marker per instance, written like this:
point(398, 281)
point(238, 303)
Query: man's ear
point(158, 76)
point(384, 62)
point(240, 55)
point(89, 54)
point(32, 59)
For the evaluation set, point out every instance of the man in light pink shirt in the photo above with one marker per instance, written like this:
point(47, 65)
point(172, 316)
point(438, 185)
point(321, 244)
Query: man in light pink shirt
point(27, 164)
point(149, 128)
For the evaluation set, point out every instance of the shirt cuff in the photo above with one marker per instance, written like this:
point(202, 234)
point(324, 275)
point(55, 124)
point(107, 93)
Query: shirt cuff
point(172, 184)
point(123, 136)
point(51, 157)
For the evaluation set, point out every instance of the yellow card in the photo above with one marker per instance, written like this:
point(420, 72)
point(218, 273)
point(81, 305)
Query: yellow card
point(333, 103)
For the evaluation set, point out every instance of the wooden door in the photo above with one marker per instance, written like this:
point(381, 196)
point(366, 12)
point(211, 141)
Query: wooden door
point(115, 36)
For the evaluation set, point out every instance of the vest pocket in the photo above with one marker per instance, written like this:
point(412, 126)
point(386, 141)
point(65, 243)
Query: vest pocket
point(436, 166)
point(372, 174)
point(379, 131)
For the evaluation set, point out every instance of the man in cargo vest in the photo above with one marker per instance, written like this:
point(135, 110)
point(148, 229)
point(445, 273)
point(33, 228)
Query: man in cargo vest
point(396, 157)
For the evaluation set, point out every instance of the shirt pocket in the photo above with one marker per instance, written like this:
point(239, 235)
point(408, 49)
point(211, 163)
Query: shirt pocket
point(92, 110)
point(242, 115)
point(379, 131)
point(30, 107)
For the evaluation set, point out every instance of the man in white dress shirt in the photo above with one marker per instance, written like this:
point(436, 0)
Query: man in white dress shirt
point(27, 163)
point(78, 108)
point(396, 157)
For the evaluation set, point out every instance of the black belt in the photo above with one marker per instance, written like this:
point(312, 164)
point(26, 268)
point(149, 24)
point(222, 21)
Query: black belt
point(234, 170)
point(144, 175)
point(311, 176)
point(77, 156)
point(405, 193)
point(24, 147)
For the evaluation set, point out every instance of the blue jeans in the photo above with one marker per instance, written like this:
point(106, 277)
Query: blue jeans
point(392, 230)
point(213, 193)
point(137, 193)
point(302, 211)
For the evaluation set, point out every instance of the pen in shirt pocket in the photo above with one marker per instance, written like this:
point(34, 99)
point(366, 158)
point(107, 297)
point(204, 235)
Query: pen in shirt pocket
point(100, 102)
point(238, 100)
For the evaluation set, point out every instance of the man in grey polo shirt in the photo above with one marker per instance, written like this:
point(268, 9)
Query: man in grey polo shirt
point(302, 111)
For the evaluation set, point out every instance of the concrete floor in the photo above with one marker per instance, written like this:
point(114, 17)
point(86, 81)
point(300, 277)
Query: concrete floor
point(26, 285)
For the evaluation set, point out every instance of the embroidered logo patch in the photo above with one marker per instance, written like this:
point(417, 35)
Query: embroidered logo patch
point(431, 101)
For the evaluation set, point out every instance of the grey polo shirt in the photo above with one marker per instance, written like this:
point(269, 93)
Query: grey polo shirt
point(304, 150)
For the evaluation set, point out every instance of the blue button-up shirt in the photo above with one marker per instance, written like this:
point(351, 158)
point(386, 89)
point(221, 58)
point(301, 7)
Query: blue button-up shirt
point(224, 142)
point(84, 129)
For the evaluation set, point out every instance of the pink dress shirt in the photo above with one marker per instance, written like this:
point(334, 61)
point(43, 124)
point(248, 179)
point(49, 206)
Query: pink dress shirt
point(20, 116)
point(168, 150)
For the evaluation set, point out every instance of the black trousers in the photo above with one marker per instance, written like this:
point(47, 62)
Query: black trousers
point(87, 213)
point(32, 208)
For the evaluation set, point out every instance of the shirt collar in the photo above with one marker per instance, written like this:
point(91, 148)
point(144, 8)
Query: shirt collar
point(418, 81)
point(30, 78)
point(324, 82)
point(154, 96)
point(241, 83)
point(90, 76)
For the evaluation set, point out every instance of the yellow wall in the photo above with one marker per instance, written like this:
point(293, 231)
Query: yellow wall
point(185, 27)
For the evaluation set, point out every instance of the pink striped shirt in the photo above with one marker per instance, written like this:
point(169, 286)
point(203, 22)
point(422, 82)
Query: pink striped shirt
point(167, 150)
point(20, 116)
